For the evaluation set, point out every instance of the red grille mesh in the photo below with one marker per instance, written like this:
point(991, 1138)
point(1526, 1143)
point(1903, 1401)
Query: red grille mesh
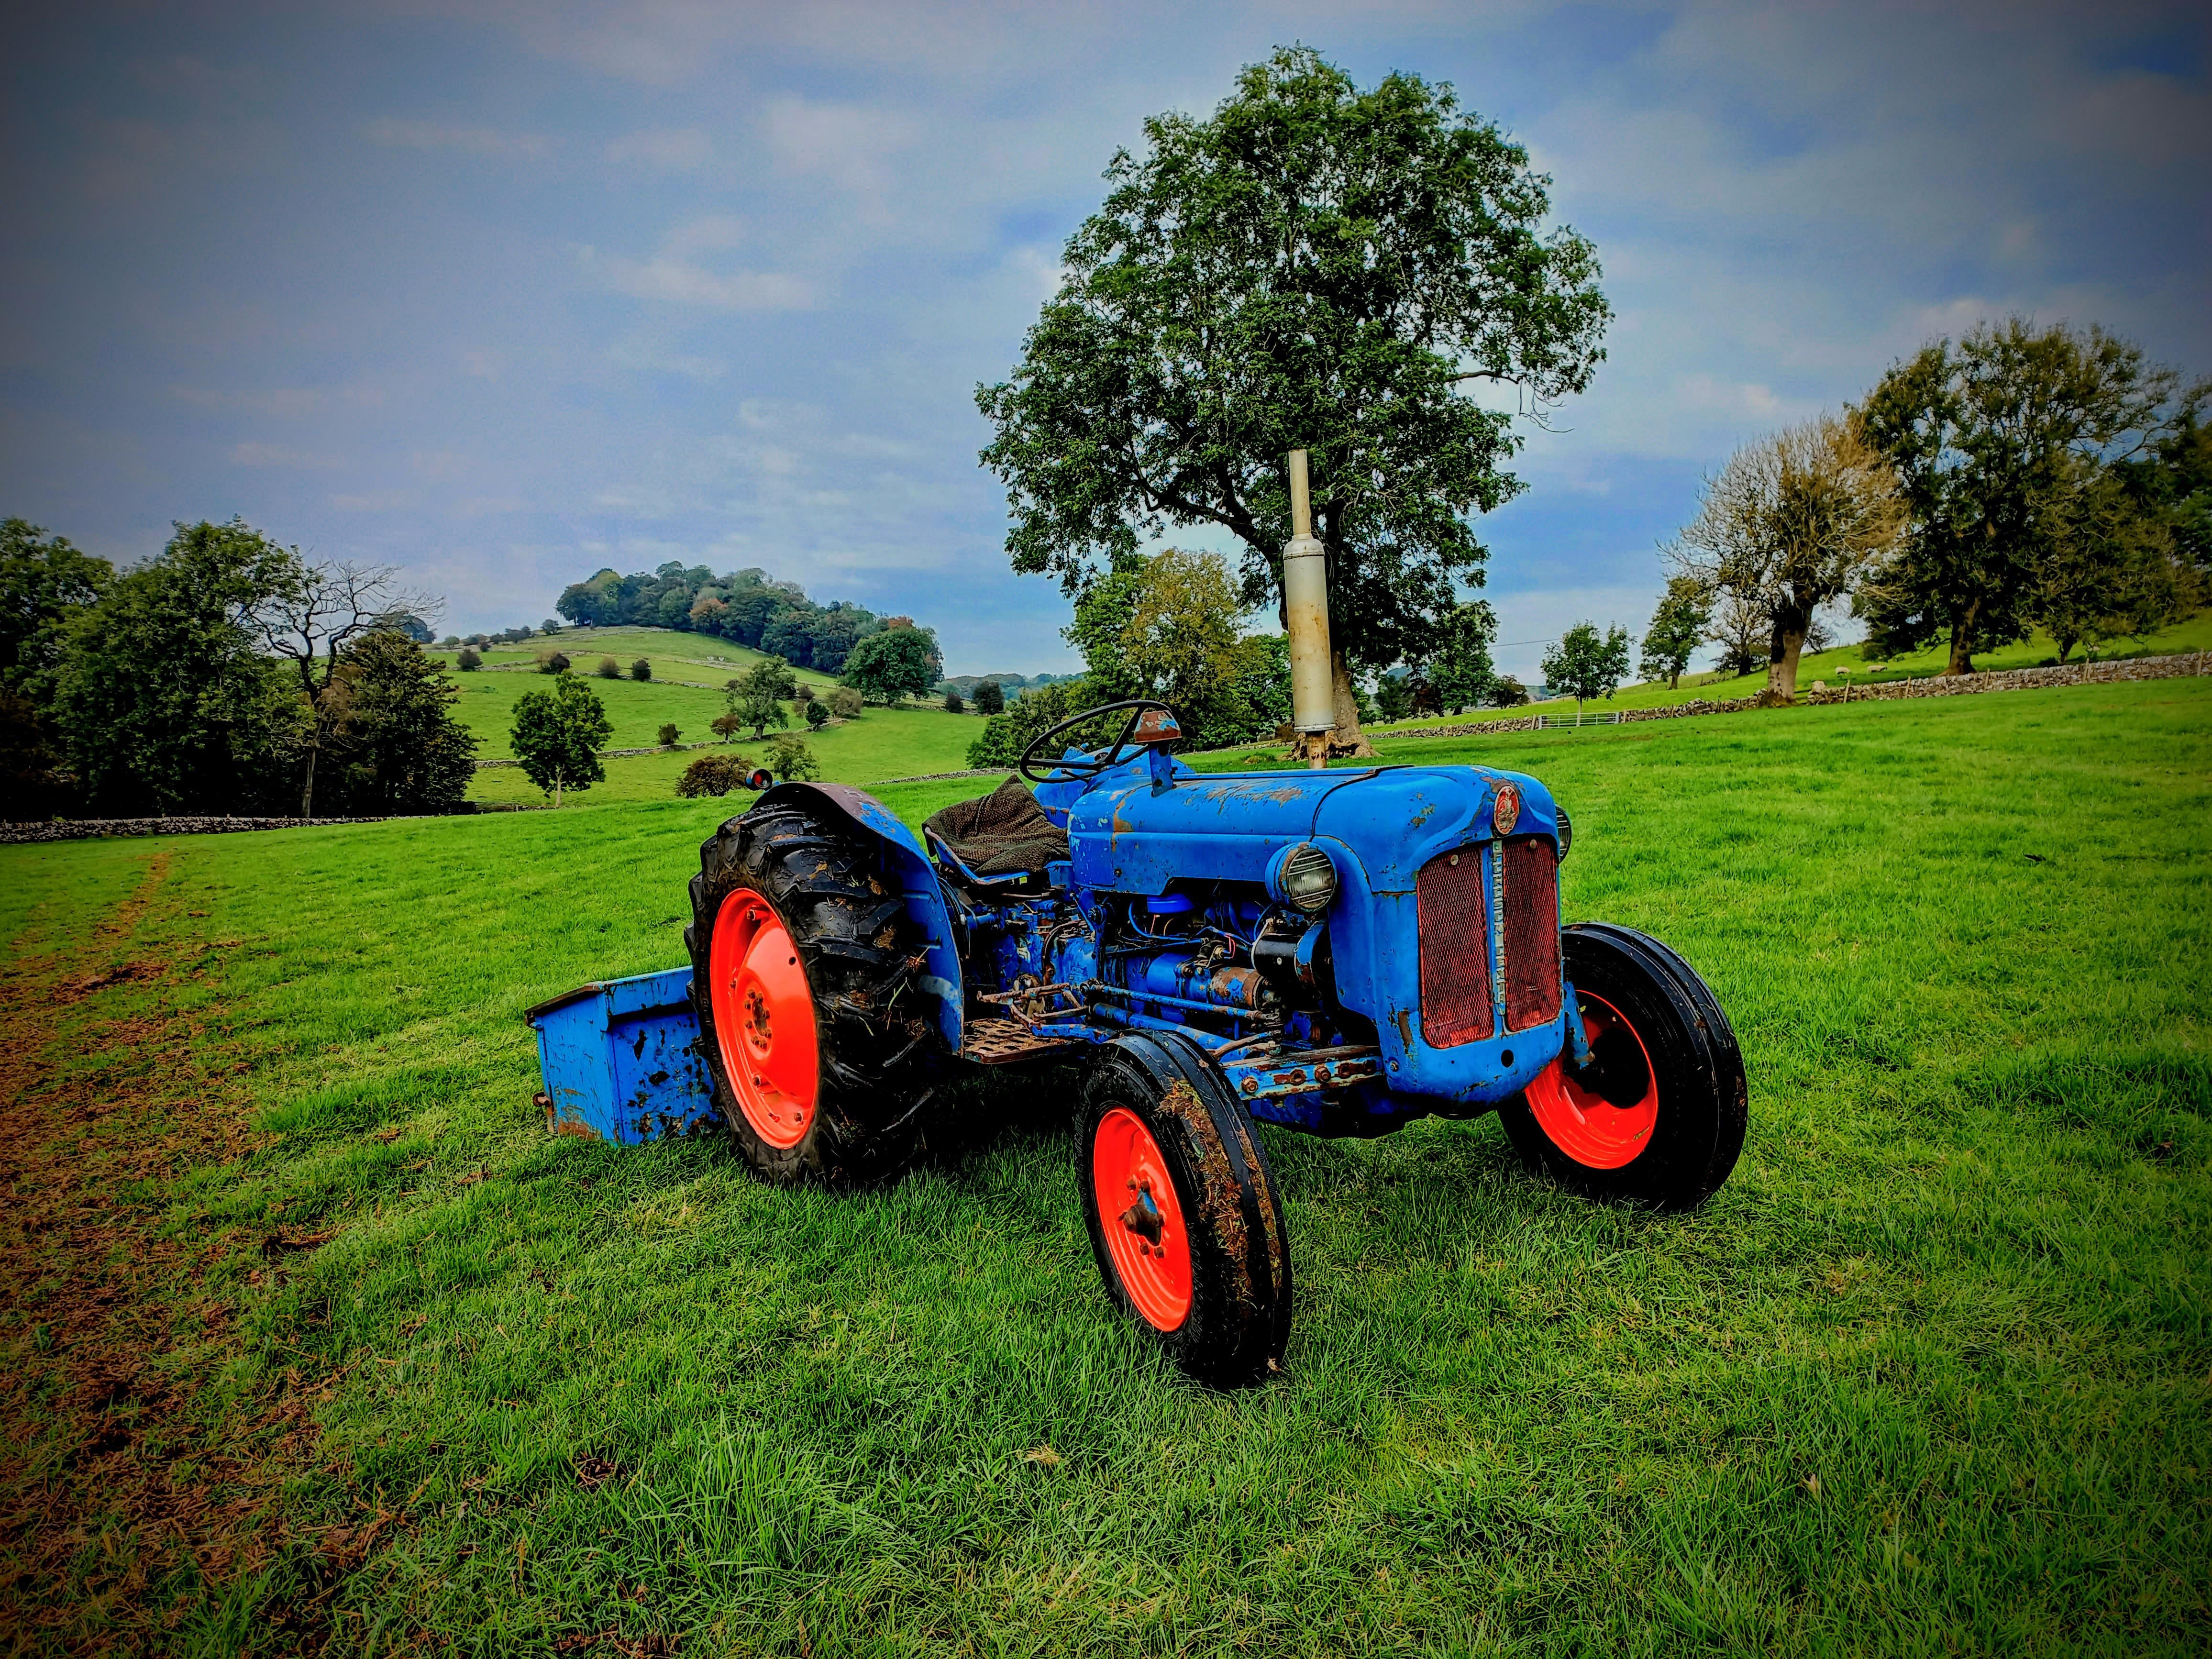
point(1531, 904)
point(1454, 928)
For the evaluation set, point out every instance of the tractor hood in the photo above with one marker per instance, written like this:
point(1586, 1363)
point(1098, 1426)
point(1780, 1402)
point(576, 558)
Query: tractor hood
point(1127, 833)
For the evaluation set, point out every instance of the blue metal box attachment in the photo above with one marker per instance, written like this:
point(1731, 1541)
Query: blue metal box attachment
point(621, 1059)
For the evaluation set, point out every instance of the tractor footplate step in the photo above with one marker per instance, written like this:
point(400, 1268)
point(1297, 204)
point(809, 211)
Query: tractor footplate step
point(1002, 1042)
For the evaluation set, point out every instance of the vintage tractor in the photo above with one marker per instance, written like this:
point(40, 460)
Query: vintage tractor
point(1332, 950)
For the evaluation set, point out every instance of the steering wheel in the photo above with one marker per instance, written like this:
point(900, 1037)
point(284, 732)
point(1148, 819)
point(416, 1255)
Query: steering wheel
point(1039, 770)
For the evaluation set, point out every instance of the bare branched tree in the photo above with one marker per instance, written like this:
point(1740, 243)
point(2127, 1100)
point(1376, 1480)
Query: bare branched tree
point(312, 617)
point(1790, 524)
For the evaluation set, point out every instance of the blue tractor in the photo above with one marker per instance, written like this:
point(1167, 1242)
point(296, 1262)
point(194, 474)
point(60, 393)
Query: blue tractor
point(1334, 951)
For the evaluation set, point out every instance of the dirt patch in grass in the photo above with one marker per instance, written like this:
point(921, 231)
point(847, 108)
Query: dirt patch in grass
point(130, 1476)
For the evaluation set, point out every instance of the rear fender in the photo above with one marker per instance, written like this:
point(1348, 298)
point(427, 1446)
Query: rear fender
point(906, 862)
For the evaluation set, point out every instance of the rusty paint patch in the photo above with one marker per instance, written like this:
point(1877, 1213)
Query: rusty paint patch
point(1404, 1021)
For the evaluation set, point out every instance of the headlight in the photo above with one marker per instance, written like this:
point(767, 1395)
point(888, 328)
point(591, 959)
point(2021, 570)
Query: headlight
point(1302, 877)
point(1566, 832)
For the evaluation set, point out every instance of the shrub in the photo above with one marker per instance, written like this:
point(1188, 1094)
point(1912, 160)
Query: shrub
point(549, 628)
point(990, 698)
point(726, 727)
point(713, 774)
point(468, 662)
point(817, 715)
point(640, 670)
point(846, 703)
point(610, 669)
point(953, 705)
point(668, 735)
point(552, 662)
point(1508, 693)
point(789, 758)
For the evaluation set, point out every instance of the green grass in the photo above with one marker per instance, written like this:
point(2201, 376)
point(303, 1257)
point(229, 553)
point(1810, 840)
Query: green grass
point(1930, 1374)
point(674, 655)
point(882, 743)
point(2194, 635)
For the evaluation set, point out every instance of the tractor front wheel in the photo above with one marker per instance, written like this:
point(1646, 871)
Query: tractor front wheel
point(1183, 1210)
point(1657, 1117)
point(818, 1045)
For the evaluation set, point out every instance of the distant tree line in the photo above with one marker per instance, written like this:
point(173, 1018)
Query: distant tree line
point(227, 673)
point(747, 607)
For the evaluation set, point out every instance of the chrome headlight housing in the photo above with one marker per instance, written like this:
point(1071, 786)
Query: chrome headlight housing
point(1301, 875)
point(1566, 837)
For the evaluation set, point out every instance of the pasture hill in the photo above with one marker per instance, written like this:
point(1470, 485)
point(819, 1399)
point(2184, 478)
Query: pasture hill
point(686, 691)
point(316, 1337)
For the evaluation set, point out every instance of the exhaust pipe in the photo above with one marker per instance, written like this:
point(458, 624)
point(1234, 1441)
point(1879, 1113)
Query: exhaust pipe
point(1305, 616)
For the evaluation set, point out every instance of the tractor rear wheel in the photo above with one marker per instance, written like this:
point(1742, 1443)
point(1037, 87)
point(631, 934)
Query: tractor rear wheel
point(1183, 1210)
point(1657, 1118)
point(800, 953)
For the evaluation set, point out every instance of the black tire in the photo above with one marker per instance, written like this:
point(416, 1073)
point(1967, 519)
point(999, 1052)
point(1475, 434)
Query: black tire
point(1691, 1055)
point(1238, 1319)
point(876, 1040)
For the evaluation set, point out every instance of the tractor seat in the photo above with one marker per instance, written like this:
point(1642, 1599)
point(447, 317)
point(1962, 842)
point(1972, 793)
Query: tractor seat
point(999, 837)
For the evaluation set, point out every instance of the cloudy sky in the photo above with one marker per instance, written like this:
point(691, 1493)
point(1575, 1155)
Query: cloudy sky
point(505, 290)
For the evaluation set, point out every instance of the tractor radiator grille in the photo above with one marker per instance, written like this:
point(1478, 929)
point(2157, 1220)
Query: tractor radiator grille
point(1528, 871)
point(1454, 928)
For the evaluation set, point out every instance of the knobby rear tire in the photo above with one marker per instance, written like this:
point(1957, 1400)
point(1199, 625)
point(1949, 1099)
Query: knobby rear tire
point(877, 1041)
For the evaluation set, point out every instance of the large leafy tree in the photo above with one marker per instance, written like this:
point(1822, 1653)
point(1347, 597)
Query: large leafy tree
point(756, 697)
point(44, 581)
point(1678, 629)
point(1315, 266)
point(163, 701)
point(1460, 674)
point(898, 663)
point(394, 738)
point(1790, 524)
point(1165, 626)
point(1984, 434)
point(1585, 665)
point(308, 623)
point(556, 736)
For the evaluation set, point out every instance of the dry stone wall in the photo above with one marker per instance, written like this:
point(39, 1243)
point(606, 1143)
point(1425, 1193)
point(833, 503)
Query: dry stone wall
point(1960, 685)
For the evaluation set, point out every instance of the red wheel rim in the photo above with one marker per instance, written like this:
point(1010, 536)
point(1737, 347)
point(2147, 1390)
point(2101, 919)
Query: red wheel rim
point(1584, 1125)
point(763, 1018)
point(1141, 1218)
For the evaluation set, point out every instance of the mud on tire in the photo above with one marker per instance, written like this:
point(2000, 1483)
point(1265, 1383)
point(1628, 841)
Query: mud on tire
point(1234, 1274)
point(874, 1037)
point(1666, 1051)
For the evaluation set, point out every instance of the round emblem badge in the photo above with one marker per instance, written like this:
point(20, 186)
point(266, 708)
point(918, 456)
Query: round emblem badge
point(1507, 811)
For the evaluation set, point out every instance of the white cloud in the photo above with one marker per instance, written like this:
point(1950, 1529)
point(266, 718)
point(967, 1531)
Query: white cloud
point(469, 141)
point(676, 275)
point(672, 149)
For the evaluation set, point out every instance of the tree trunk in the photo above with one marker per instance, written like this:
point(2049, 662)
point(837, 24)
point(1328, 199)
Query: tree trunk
point(1346, 738)
point(1962, 643)
point(2065, 646)
point(556, 791)
point(1782, 672)
point(307, 789)
point(1675, 681)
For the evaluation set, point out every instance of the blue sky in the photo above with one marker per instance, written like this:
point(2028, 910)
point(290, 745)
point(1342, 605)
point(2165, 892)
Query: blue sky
point(504, 292)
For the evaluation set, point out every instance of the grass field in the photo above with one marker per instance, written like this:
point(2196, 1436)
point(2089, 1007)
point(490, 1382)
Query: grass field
point(883, 743)
point(880, 743)
point(2194, 635)
point(1931, 1373)
point(674, 655)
